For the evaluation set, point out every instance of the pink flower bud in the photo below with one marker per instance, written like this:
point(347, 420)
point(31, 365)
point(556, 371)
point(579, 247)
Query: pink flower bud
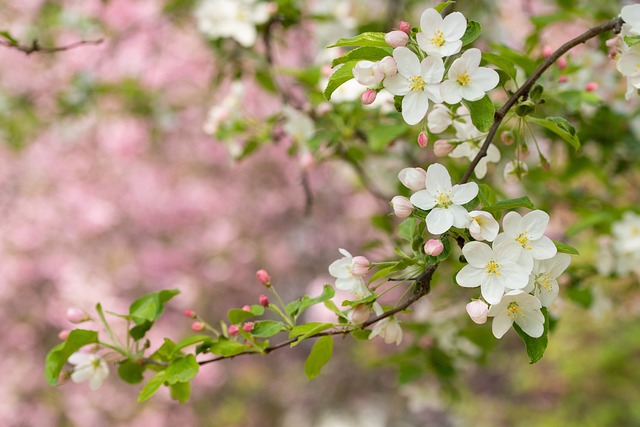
point(591, 87)
point(547, 51)
point(264, 300)
point(248, 327)
point(433, 247)
point(478, 311)
point(368, 96)
point(247, 308)
point(561, 63)
point(413, 178)
point(75, 315)
point(360, 266)
point(396, 38)
point(507, 137)
point(189, 313)
point(388, 66)
point(442, 148)
point(402, 207)
point(563, 79)
point(423, 140)
point(404, 27)
point(64, 334)
point(360, 314)
point(197, 326)
point(263, 277)
point(233, 330)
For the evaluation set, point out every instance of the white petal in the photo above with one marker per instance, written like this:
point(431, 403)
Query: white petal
point(83, 373)
point(535, 223)
point(492, 290)
point(481, 169)
point(486, 78)
point(547, 296)
point(472, 58)
point(407, 62)
point(433, 92)
point(430, 20)
point(423, 199)
point(511, 224)
point(339, 268)
point(432, 70)
point(500, 325)
point(460, 216)
point(397, 85)
point(438, 179)
point(414, 107)
point(450, 91)
point(557, 265)
point(454, 25)
point(506, 249)
point(530, 326)
point(472, 92)
point(478, 254)
point(439, 220)
point(543, 248)
point(515, 276)
point(470, 276)
point(80, 358)
point(464, 193)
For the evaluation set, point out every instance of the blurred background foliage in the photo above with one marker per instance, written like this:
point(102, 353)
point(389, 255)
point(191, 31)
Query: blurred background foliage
point(112, 188)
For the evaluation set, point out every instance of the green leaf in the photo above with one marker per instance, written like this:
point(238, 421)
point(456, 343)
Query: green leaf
point(632, 41)
point(335, 309)
point(9, 37)
point(149, 307)
point(152, 386)
point(565, 249)
point(266, 328)
point(320, 354)
point(296, 308)
point(505, 64)
point(535, 346)
point(364, 39)
point(523, 61)
point(340, 76)
point(560, 127)
point(382, 135)
point(482, 112)
point(303, 332)
point(238, 315)
point(57, 357)
point(521, 202)
point(264, 78)
point(486, 195)
point(368, 53)
point(192, 340)
point(366, 300)
point(398, 266)
point(407, 228)
point(362, 334)
point(226, 348)
point(440, 7)
point(180, 391)
point(131, 371)
point(472, 32)
point(182, 369)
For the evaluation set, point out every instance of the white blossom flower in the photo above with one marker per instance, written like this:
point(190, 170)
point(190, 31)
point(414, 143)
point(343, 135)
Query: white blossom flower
point(229, 106)
point(543, 280)
point(631, 16)
point(417, 81)
point(441, 36)
point(629, 65)
point(388, 328)
point(522, 308)
point(444, 200)
point(298, 125)
point(467, 80)
point(483, 226)
point(413, 178)
point(493, 270)
point(235, 19)
point(439, 119)
point(345, 279)
point(524, 235)
point(88, 367)
point(472, 140)
point(368, 73)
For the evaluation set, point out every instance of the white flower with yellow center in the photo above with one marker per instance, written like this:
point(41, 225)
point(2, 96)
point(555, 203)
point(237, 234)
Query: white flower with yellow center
point(88, 367)
point(345, 279)
point(631, 16)
point(493, 270)
point(518, 307)
point(483, 226)
point(236, 19)
point(444, 200)
point(629, 65)
point(524, 235)
point(439, 119)
point(388, 329)
point(368, 73)
point(418, 82)
point(467, 80)
point(544, 278)
point(441, 36)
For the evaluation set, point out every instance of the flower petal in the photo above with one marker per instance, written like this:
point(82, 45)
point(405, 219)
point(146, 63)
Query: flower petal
point(492, 290)
point(430, 20)
point(432, 70)
point(397, 85)
point(460, 216)
point(485, 78)
point(453, 26)
point(530, 326)
point(464, 193)
point(500, 325)
point(470, 276)
point(423, 199)
point(438, 179)
point(478, 254)
point(472, 58)
point(511, 224)
point(535, 223)
point(557, 265)
point(450, 90)
point(543, 248)
point(407, 62)
point(439, 220)
point(414, 107)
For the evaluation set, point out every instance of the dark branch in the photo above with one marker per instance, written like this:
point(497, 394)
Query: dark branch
point(35, 46)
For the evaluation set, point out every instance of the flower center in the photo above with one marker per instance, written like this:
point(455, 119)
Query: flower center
point(514, 310)
point(492, 268)
point(444, 199)
point(417, 84)
point(523, 239)
point(481, 221)
point(544, 281)
point(438, 38)
point(464, 79)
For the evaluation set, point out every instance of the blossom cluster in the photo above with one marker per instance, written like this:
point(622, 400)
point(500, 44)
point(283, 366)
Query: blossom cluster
point(416, 70)
point(628, 56)
point(620, 253)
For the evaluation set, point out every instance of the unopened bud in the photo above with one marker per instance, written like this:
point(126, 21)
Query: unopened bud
point(442, 148)
point(544, 164)
point(478, 311)
point(433, 247)
point(264, 300)
point(396, 38)
point(76, 315)
point(233, 330)
point(248, 327)
point(368, 96)
point(402, 207)
point(591, 87)
point(561, 63)
point(423, 140)
point(360, 266)
point(563, 79)
point(507, 137)
point(197, 326)
point(64, 334)
point(404, 27)
point(189, 313)
point(263, 277)
point(547, 51)
point(413, 178)
point(360, 314)
point(246, 308)
point(388, 66)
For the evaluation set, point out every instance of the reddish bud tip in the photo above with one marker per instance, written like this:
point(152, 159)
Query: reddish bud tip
point(562, 79)
point(264, 301)
point(246, 308)
point(547, 51)
point(189, 313)
point(368, 96)
point(263, 277)
point(423, 140)
point(76, 315)
point(197, 326)
point(591, 87)
point(248, 327)
point(404, 27)
point(433, 247)
point(234, 330)
point(561, 63)
point(64, 334)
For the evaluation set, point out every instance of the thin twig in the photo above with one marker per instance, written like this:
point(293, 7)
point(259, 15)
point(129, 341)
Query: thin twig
point(35, 46)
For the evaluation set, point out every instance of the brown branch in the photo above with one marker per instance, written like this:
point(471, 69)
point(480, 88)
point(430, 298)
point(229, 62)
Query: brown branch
point(35, 46)
point(614, 24)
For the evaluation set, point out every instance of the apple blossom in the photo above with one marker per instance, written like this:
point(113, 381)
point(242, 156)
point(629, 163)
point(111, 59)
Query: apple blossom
point(423, 140)
point(359, 314)
point(264, 300)
point(404, 26)
point(298, 125)
point(402, 207)
point(514, 171)
point(417, 82)
point(396, 38)
point(388, 329)
point(388, 66)
point(433, 247)
point(521, 308)
point(189, 313)
point(360, 266)
point(88, 367)
point(478, 311)
point(493, 269)
point(444, 200)
point(543, 280)
point(471, 143)
point(263, 277)
point(76, 315)
point(368, 96)
point(346, 280)
point(197, 326)
point(631, 16)
point(248, 327)
point(235, 19)
point(442, 148)
point(483, 226)
point(413, 178)
point(525, 235)
point(64, 334)
point(233, 330)
point(467, 80)
point(441, 36)
point(628, 65)
point(439, 119)
point(368, 73)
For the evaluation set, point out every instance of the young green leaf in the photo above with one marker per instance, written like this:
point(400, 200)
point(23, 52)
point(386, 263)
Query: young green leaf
point(505, 64)
point(130, 371)
point(482, 112)
point(238, 315)
point(368, 53)
point(486, 195)
point(521, 202)
point(267, 328)
point(152, 386)
point(364, 39)
point(440, 7)
point(182, 369)
point(381, 136)
point(57, 357)
point(320, 354)
point(472, 32)
point(189, 341)
point(149, 307)
point(226, 347)
point(295, 308)
point(306, 330)
point(180, 391)
point(565, 249)
point(340, 76)
point(560, 127)
point(535, 346)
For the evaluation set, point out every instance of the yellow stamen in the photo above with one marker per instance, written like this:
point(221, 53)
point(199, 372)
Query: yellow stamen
point(444, 199)
point(492, 268)
point(464, 79)
point(514, 310)
point(523, 239)
point(544, 281)
point(438, 38)
point(417, 84)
